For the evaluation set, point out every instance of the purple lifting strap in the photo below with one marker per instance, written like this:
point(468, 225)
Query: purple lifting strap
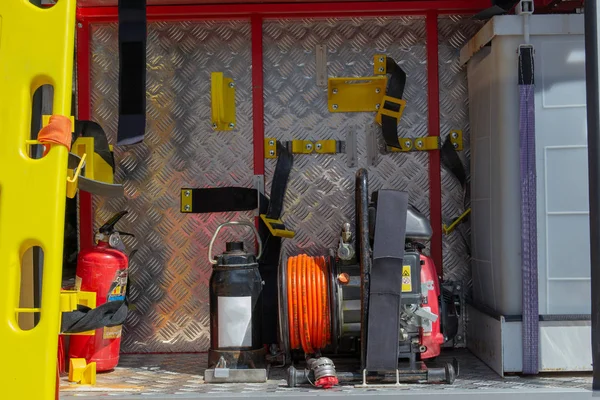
point(528, 211)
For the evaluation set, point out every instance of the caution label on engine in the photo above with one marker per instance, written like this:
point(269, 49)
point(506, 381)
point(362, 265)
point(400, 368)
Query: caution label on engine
point(406, 279)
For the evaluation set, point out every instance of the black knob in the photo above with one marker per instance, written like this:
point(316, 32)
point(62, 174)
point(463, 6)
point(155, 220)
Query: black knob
point(234, 246)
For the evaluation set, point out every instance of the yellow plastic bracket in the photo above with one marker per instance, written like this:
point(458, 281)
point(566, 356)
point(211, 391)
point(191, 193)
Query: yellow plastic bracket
point(222, 102)
point(277, 228)
point(186, 200)
point(69, 299)
point(82, 373)
point(394, 114)
point(326, 146)
point(456, 138)
point(363, 94)
point(46, 121)
point(379, 61)
point(73, 178)
point(418, 144)
point(454, 224)
point(95, 166)
point(302, 146)
point(270, 148)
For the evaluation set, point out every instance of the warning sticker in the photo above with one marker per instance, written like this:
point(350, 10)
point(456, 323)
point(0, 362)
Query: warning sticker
point(112, 332)
point(406, 279)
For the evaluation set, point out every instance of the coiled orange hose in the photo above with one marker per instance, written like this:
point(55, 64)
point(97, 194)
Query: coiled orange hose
point(308, 305)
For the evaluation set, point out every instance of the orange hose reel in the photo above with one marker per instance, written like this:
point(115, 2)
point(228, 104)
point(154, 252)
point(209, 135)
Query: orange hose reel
point(309, 316)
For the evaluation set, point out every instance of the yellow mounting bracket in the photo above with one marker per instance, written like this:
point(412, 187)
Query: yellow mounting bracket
point(418, 144)
point(456, 138)
point(454, 224)
point(69, 299)
point(327, 146)
point(302, 146)
point(277, 228)
point(222, 97)
point(379, 67)
point(362, 94)
point(96, 167)
point(81, 372)
point(394, 114)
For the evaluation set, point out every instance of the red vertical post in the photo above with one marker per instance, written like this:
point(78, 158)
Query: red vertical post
point(86, 228)
point(435, 178)
point(257, 96)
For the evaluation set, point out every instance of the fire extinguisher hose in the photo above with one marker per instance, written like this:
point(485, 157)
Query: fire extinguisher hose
point(309, 316)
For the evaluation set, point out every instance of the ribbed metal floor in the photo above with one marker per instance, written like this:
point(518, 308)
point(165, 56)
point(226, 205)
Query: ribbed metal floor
point(181, 376)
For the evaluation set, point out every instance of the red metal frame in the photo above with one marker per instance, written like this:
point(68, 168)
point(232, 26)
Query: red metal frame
point(289, 10)
point(256, 13)
point(86, 221)
point(433, 107)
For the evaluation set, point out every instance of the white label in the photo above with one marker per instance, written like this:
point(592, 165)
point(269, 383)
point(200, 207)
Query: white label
point(235, 321)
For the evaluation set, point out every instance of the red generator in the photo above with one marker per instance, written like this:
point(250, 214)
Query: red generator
point(102, 269)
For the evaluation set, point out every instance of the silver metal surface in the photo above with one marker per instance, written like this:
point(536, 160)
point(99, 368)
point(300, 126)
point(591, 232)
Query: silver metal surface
point(251, 375)
point(321, 54)
point(181, 376)
point(170, 274)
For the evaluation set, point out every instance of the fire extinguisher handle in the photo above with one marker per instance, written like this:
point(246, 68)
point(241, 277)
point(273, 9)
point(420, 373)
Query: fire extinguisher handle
point(233, 223)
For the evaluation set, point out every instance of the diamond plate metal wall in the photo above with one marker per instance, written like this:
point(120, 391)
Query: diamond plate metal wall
point(170, 272)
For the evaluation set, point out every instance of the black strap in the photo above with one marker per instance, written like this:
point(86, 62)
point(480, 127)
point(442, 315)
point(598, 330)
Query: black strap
point(112, 313)
point(94, 130)
point(395, 89)
point(385, 291)
point(132, 71)
point(224, 199)
point(285, 161)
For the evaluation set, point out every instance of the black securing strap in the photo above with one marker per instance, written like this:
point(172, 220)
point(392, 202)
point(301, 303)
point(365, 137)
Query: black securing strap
point(385, 291)
point(285, 162)
point(395, 89)
point(132, 71)
point(101, 147)
point(223, 199)
point(112, 313)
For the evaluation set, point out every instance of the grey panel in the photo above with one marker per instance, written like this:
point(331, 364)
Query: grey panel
point(169, 274)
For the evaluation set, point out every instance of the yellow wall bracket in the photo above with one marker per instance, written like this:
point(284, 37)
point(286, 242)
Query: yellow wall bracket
point(277, 228)
point(456, 137)
point(379, 67)
point(362, 94)
point(222, 92)
point(95, 166)
point(418, 144)
point(394, 114)
point(270, 148)
point(186, 201)
point(297, 146)
point(81, 372)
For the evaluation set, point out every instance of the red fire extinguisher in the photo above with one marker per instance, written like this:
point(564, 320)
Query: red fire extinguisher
point(103, 270)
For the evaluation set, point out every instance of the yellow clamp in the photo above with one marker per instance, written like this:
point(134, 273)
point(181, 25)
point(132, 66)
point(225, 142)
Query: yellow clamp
point(394, 114)
point(328, 146)
point(69, 299)
point(222, 97)
point(379, 61)
point(418, 144)
point(96, 167)
point(448, 229)
point(81, 372)
point(46, 121)
point(277, 228)
point(456, 138)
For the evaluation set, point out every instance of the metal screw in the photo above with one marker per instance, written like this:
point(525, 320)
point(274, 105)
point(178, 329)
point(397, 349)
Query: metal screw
point(377, 106)
point(231, 84)
point(308, 146)
point(380, 69)
point(380, 59)
point(454, 135)
point(214, 126)
point(187, 193)
point(459, 338)
point(80, 25)
point(271, 143)
point(455, 145)
point(377, 90)
point(407, 143)
point(458, 287)
point(422, 349)
point(231, 125)
point(272, 152)
point(319, 146)
point(187, 208)
point(334, 106)
point(419, 143)
point(334, 91)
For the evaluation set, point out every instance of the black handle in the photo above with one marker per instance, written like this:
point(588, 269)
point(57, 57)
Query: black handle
point(109, 226)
